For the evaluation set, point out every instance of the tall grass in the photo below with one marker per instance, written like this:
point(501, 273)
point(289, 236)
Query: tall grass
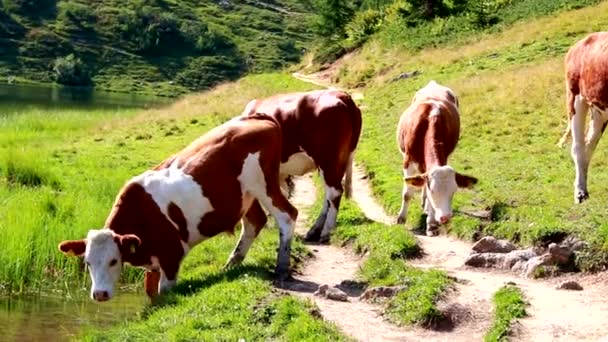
point(60, 170)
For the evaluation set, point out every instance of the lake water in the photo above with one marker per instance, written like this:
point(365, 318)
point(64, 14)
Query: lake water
point(56, 318)
point(13, 97)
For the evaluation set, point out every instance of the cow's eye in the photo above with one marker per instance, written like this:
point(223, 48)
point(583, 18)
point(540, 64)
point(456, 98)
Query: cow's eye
point(113, 262)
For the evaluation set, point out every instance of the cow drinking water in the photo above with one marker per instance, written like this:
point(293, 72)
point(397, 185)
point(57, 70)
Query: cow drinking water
point(586, 65)
point(197, 193)
point(427, 133)
point(320, 130)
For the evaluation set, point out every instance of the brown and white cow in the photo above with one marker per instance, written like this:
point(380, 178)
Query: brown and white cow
point(586, 66)
point(320, 130)
point(197, 193)
point(427, 133)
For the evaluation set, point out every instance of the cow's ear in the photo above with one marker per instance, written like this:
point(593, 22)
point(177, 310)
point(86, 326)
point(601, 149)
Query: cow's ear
point(128, 243)
point(73, 247)
point(417, 181)
point(464, 181)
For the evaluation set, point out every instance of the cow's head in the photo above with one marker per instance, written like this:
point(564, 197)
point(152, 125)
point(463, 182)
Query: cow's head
point(440, 184)
point(103, 252)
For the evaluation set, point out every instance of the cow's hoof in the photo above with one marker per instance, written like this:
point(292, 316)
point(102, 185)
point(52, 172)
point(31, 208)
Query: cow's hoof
point(282, 279)
point(401, 220)
point(432, 231)
point(324, 239)
point(580, 196)
point(312, 235)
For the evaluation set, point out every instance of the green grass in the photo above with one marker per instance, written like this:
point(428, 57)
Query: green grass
point(511, 92)
point(211, 304)
point(61, 168)
point(509, 305)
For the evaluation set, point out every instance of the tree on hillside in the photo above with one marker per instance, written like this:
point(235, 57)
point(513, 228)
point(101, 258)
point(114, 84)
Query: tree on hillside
point(333, 15)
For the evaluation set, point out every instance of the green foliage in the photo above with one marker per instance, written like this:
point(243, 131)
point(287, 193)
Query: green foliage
point(203, 71)
point(363, 25)
point(509, 305)
point(70, 70)
point(152, 45)
point(332, 17)
point(29, 8)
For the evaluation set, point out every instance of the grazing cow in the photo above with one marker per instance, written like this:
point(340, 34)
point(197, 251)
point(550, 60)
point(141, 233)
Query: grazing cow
point(320, 130)
point(427, 133)
point(197, 193)
point(586, 66)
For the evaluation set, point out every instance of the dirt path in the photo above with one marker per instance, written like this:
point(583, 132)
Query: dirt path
point(553, 315)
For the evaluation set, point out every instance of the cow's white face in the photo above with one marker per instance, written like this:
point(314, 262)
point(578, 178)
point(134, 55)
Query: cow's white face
point(102, 251)
point(441, 186)
point(104, 261)
point(441, 183)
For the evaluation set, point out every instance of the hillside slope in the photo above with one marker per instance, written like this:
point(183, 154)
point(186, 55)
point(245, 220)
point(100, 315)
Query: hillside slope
point(511, 88)
point(155, 46)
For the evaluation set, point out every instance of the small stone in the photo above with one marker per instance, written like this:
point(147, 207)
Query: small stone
point(560, 254)
point(336, 294)
point(321, 291)
point(490, 244)
point(569, 285)
point(533, 265)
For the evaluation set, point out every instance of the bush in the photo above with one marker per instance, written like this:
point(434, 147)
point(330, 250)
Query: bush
point(31, 8)
point(204, 40)
point(362, 26)
point(71, 70)
point(75, 16)
point(40, 43)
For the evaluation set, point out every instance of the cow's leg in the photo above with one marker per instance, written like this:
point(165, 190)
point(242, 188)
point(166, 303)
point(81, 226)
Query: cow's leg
point(596, 129)
point(285, 214)
point(579, 155)
point(333, 195)
point(432, 226)
point(251, 224)
point(315, 232)
point(407, 193)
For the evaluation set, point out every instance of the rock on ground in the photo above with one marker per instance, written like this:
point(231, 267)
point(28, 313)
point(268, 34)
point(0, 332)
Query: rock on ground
point(569, 285)
point(331, 293)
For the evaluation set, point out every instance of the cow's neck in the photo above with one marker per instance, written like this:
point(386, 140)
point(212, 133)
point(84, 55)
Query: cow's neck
point(434, 150)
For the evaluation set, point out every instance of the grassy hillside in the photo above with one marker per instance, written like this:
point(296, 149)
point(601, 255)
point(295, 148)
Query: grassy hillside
point(511, 87)
point(162, 47)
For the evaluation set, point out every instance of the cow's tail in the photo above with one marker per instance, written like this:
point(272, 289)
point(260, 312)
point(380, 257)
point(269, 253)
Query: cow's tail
point(355, 118)
point(348, 176)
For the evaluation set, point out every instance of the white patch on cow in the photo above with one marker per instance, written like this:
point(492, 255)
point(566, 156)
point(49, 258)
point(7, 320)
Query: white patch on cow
point(442, 186)
point(173, 185)
point(249, 107)
point(436, 111)
point(165, 284)
point(298, 164)
point(253, 182)
point(104, 261)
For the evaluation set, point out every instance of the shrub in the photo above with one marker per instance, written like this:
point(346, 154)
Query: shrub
point(363, 25)
point(204, 40)
point(44, 44)
point(31, 8)
point(75, 16)
point(70, 70)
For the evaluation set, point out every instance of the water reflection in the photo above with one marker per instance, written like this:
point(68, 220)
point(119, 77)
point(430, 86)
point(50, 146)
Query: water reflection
point(55, 318)
point(50, 96)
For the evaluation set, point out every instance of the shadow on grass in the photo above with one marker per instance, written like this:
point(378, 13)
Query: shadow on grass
point(188, 287)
